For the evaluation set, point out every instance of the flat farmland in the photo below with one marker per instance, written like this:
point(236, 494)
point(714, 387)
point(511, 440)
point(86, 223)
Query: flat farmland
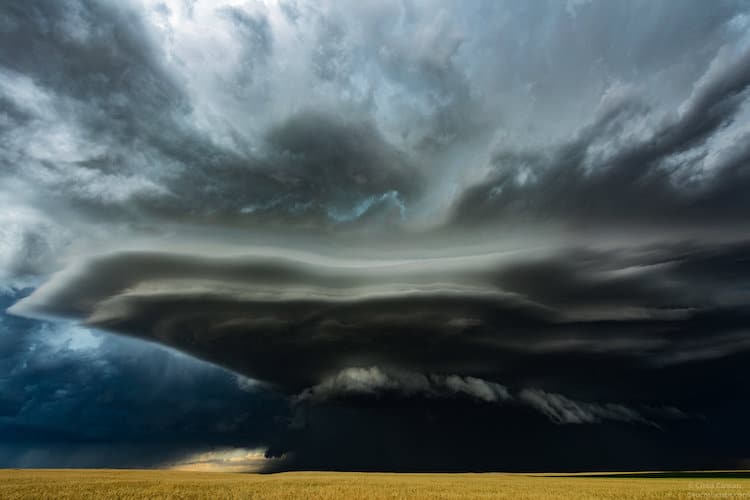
point(139, 484)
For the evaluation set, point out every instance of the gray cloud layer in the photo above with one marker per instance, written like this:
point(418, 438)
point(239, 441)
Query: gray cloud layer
point(495, 316)
point(322, 119)
point(677, 167)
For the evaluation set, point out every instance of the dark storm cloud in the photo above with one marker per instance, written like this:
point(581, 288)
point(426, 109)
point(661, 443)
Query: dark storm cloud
point(127, 147)
point(90, 75)
point(545, 322)
point(434, 435)
point(316, 170)
point(494, 232)
point(110, 117)
point(74, 398)
point(94, 51)
point(629, 166)
point(123, 108)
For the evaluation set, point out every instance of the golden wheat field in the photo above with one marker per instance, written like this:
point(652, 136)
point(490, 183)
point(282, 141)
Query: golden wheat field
point(139, 484)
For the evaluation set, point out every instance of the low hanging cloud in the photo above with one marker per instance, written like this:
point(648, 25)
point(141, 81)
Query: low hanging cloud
point(376, 382)
point(373, 381)
point(563, 410)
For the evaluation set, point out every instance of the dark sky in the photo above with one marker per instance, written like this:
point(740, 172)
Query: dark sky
point(407, 235)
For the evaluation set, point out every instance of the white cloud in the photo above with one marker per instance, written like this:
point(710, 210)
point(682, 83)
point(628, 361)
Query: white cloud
point(30, 245)
point(374, 381)
point(223, 460)
point(563, 410)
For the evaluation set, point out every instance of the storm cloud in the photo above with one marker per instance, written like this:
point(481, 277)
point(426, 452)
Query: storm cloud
point(466, 224)
point(523, 320)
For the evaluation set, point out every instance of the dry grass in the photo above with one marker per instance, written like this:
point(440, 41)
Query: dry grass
point(136, 484)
